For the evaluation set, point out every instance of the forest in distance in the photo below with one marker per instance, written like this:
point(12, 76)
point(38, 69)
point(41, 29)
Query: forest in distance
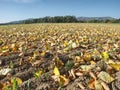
point(66, 19)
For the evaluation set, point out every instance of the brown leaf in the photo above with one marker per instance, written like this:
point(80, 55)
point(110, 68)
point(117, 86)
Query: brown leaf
point(105, 86)
point(91, 84)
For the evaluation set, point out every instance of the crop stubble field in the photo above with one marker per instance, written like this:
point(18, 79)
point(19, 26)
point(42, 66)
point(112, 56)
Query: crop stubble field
point(60, 56)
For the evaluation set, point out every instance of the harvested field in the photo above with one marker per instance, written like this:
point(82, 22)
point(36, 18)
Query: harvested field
point(60, 57)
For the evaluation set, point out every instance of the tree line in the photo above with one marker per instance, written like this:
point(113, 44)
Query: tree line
point(67, 19)
point(56, 19)
point(62, 19)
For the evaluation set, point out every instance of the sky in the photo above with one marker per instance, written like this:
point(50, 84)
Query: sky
point(12, 10)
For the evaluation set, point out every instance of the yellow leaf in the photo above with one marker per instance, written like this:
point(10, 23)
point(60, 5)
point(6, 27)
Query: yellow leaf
point(38, 73)
point(42, 53)
point(78, 59)
point(66, 43)
point(110, 62)
point(105, 55)
point(116, 66)
point(36, 53)
point(5, 48)
point(87, 56)
point(63, 80)
point(56, 71)
point(77, 41)
point(19, 81)
point(92, 62)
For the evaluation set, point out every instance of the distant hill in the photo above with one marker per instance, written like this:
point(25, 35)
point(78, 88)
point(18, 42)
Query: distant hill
point(94, 18)
point(66, 19)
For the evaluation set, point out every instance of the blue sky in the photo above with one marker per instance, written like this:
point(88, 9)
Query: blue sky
point(11, 10)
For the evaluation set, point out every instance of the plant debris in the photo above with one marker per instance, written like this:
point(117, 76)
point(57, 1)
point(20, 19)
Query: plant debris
point(60, 57)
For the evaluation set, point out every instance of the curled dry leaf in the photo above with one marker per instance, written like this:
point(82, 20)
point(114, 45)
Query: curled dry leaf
point(21, 54)
point(79, 73)
point(105, 86)
point(72, 73)
point(5, 71)
point(92, 75)
point(81, 86)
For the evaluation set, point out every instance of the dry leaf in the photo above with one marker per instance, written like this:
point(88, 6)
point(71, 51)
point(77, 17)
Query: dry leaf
point(42, 53)
point(98, 85)
point(56, 71)
point(105, 55)
point(36, 54)
point(105, 77)
point(66, 44)
point(36, 63)
point(91, 84)
point(78, 73)
point(78, 59)
point(115, 66)
point(5, 71)
point(72, 73)
point(87, 56)
point(86, 67)
point(56, 78)
point(74, 45)
point(105, 86)
point(92, 75)
point(1, 85)
point(14, 47)
point(19, 81)
point(81, 86)
point(92, 62)
point(63, 80)
point(38, 73)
